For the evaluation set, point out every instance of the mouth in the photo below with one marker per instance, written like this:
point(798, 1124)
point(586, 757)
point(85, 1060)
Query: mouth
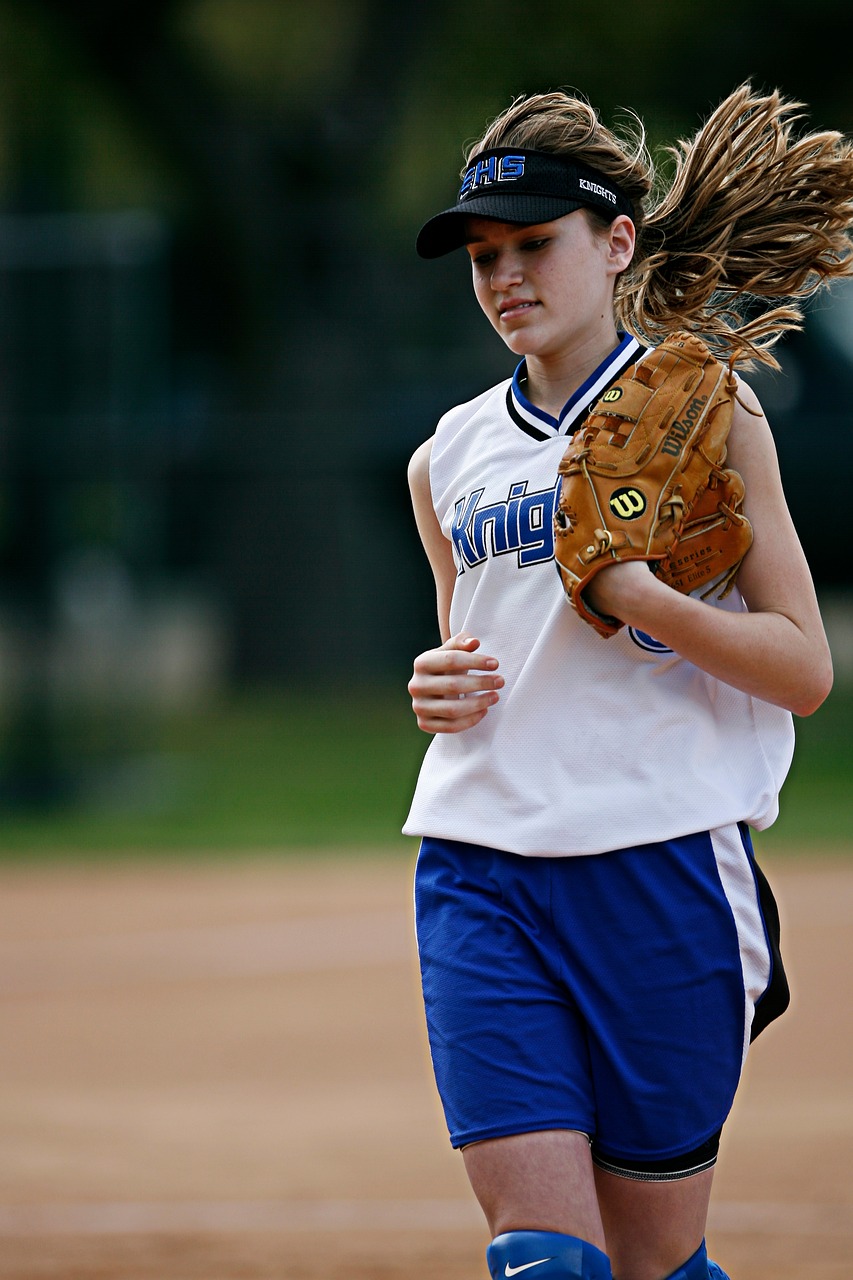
point(515, 307)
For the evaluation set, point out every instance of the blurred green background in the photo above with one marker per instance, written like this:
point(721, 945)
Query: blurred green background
point(218, 350)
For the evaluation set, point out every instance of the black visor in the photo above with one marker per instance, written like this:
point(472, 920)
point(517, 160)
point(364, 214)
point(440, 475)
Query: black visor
point(527, 187)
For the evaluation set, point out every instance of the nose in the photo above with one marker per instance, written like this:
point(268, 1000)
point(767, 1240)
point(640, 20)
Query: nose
point(506, 271)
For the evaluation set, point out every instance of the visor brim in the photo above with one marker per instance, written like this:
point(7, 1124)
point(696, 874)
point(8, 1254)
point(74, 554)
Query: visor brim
point(448, 231)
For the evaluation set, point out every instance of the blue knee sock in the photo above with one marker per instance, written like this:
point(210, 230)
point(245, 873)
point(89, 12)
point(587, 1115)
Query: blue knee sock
point(545, 1255)
point(715, 1272)
point(699, 1268)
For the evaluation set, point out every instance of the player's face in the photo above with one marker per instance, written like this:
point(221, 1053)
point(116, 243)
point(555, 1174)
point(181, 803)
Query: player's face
point(544, 288)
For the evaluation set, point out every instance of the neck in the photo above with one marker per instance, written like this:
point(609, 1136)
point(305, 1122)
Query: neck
point(552, 382)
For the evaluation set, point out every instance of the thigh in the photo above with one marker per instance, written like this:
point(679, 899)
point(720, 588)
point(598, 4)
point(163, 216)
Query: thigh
point(652, 1228)
point(547, 1182)
point(508, 1045)
point(537, 1182)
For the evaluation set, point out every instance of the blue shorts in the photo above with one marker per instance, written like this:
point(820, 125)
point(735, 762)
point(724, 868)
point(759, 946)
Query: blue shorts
point(614, 994)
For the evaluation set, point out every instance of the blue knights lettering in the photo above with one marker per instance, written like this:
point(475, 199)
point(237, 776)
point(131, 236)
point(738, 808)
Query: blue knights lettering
point(522, 525)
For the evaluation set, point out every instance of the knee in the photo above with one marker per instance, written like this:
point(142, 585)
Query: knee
point(699, 1267)
point(548, 1255)
point(545, 1255)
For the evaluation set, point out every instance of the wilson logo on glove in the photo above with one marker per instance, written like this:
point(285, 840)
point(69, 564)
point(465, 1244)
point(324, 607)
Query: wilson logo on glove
point(627, 503)
point(680, 431)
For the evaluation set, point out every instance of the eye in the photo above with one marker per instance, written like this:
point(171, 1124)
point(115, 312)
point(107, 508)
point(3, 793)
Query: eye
point(483, 259)
point(532, 246)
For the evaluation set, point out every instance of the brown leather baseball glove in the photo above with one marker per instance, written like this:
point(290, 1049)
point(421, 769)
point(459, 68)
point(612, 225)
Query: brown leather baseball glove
point(713, 541)
point(644, 478)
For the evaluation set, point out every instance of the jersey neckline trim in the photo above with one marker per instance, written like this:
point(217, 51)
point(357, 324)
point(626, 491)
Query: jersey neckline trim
point(542, 426)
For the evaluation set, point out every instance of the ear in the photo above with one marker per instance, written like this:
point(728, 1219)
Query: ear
point(621, 239)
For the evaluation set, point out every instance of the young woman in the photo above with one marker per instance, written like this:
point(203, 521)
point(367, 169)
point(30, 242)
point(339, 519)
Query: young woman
point(598, 946)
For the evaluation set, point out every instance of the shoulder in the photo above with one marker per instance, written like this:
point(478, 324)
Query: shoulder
point(494, 398)
point(747, 401)
point(476, 412)
point(419, 465)
point(751, 447)
point(775, 563)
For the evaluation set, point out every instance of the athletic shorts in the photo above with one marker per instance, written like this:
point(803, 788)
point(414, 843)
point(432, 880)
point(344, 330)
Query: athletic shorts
point(614, 994)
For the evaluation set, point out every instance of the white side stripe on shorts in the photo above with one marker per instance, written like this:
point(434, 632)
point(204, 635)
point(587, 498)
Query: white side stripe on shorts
point(740, 889)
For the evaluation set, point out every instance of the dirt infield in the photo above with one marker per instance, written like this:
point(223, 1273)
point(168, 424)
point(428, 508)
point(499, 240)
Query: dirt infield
point(217, 1071)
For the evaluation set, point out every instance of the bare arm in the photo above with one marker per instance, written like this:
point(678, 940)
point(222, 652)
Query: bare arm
point(435, 544)
point(452, 687)
point(778, 650)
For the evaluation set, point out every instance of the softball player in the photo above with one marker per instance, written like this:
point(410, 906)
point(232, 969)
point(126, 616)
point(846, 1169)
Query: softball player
point(598, 947)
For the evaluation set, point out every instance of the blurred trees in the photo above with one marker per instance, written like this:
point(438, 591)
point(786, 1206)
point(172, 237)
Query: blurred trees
point(266, 123)
point(296, 143)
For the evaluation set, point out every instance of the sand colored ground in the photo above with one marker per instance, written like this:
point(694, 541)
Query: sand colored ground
point(217, 1071)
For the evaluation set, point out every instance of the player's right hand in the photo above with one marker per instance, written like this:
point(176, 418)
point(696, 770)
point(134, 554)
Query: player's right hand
point(453, 686)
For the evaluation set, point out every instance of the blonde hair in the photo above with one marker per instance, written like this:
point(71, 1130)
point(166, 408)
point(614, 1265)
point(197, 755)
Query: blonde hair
point(752, 221)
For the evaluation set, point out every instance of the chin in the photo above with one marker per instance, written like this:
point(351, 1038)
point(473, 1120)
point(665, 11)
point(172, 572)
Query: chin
point(521, 344)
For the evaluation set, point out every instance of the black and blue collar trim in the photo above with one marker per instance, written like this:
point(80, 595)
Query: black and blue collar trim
point(542, 426)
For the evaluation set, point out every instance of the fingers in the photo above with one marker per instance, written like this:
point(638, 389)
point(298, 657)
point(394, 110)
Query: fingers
point(454, 686)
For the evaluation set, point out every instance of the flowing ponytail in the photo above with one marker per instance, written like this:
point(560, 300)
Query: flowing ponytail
point(753, 221)
point(753, 216)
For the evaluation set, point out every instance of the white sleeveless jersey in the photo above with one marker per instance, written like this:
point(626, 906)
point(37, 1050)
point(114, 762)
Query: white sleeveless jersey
point(595, 744)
